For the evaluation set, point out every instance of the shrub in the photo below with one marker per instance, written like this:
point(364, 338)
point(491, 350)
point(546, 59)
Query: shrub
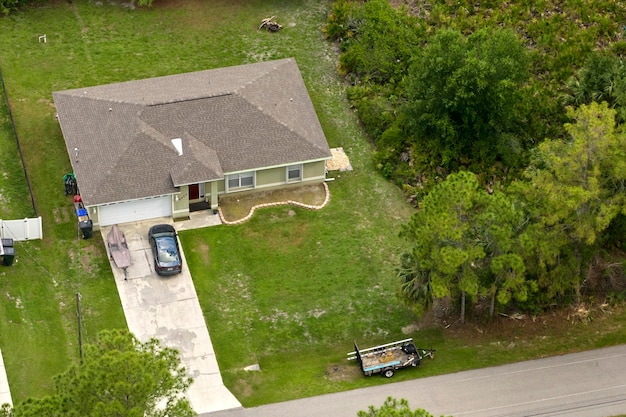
point(381, 44)
point(340, 25)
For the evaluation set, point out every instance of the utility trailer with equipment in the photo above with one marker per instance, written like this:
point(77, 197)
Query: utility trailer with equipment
point(386, 359)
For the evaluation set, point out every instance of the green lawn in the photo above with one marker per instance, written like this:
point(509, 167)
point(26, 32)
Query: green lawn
point(289, 289)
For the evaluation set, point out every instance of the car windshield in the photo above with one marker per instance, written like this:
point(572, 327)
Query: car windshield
point(166, 250)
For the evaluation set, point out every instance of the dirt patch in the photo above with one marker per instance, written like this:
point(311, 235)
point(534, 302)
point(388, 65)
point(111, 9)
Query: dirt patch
point(177, 4)
point(411, 328)
point(348, 372)
point(86, 260)
point(195, 14)
point(247, 384)
point(203, 250)
point(419, 8)
point(86, 255)
point(282, 236)
point(519, 329)
point(61, 215)
point(243, 388)
point(236, 207)
point(506, 328)
point(18, 300)
point(47, 102)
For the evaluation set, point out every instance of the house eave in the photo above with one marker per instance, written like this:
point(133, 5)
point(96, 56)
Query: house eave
point(132, 199)
point(278, 165)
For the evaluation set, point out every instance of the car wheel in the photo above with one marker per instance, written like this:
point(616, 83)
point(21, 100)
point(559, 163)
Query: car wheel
point(388, 373)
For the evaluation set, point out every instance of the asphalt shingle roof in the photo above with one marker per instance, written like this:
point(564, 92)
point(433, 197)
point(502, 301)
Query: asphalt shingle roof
point(119, 136)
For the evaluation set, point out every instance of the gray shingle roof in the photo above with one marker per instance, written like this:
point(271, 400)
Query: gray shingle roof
point(229, 119)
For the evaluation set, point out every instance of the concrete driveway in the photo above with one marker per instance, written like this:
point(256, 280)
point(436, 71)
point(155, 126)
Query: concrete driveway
point(167, 308)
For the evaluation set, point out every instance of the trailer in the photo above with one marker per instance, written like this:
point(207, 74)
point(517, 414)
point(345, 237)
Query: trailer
point(386, 359)
point(118, 249)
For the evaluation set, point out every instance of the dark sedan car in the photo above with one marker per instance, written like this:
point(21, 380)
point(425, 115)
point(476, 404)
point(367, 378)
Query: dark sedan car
point(164, 244)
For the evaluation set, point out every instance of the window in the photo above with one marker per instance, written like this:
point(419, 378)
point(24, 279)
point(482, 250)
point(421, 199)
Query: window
point(294, 173)
point(243, 180)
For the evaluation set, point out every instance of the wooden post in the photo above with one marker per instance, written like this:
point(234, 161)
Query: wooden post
point(80, 334)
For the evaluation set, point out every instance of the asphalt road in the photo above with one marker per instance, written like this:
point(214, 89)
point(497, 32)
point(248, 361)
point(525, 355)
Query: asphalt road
point(587, 384)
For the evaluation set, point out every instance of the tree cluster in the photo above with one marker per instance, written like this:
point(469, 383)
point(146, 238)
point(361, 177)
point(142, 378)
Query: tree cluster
point(463, 98)
point(394, 407)
point(8, 6)
point(534, 242)
point(460, 123)
point(472, 85)
point(118, 376)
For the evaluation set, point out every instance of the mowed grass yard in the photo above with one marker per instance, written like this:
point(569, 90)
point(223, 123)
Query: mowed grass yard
point(290, 289)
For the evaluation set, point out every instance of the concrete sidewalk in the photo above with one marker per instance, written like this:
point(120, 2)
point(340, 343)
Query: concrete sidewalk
point(167, 308)
point(5, 392)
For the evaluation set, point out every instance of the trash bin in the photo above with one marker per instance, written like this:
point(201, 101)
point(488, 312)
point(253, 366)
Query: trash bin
point(7, 242)
point(86, 227)
point(9, 256)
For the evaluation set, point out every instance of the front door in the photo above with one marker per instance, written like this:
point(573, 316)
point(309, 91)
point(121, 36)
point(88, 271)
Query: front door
point(194, 192)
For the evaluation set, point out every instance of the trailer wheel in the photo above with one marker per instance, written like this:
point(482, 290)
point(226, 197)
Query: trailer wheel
point(388, 373)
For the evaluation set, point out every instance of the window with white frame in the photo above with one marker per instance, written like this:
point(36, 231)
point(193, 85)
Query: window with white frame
point(294, 173)
point(241, 180)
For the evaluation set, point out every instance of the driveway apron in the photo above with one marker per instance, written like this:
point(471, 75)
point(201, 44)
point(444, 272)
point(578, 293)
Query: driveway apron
point(167, 309)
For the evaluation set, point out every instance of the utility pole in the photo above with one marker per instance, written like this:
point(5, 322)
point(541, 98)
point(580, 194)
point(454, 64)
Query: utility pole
point(80, 332)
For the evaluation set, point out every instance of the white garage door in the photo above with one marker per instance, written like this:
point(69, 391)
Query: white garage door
point(135, 210)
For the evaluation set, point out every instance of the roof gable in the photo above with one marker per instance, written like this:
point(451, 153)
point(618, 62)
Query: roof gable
point(196, 161)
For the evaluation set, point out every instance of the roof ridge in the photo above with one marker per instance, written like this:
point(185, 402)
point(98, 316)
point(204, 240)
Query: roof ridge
point(186, 99)
point(84, 96)
point(119, 162)
point(253, 80)
point(114, 168)
point(269, 72)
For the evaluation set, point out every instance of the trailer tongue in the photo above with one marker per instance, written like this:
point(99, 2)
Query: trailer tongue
point(386, 359)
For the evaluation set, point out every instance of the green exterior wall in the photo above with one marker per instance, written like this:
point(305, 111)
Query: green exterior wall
point(269, 177)
point(314, 170)
point(93, 216)
point(180, 208)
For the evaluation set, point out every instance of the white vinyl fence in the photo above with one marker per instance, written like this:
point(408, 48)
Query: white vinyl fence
point(25, 229)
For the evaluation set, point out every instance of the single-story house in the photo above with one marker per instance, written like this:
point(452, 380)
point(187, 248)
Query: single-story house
point(151, 148)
